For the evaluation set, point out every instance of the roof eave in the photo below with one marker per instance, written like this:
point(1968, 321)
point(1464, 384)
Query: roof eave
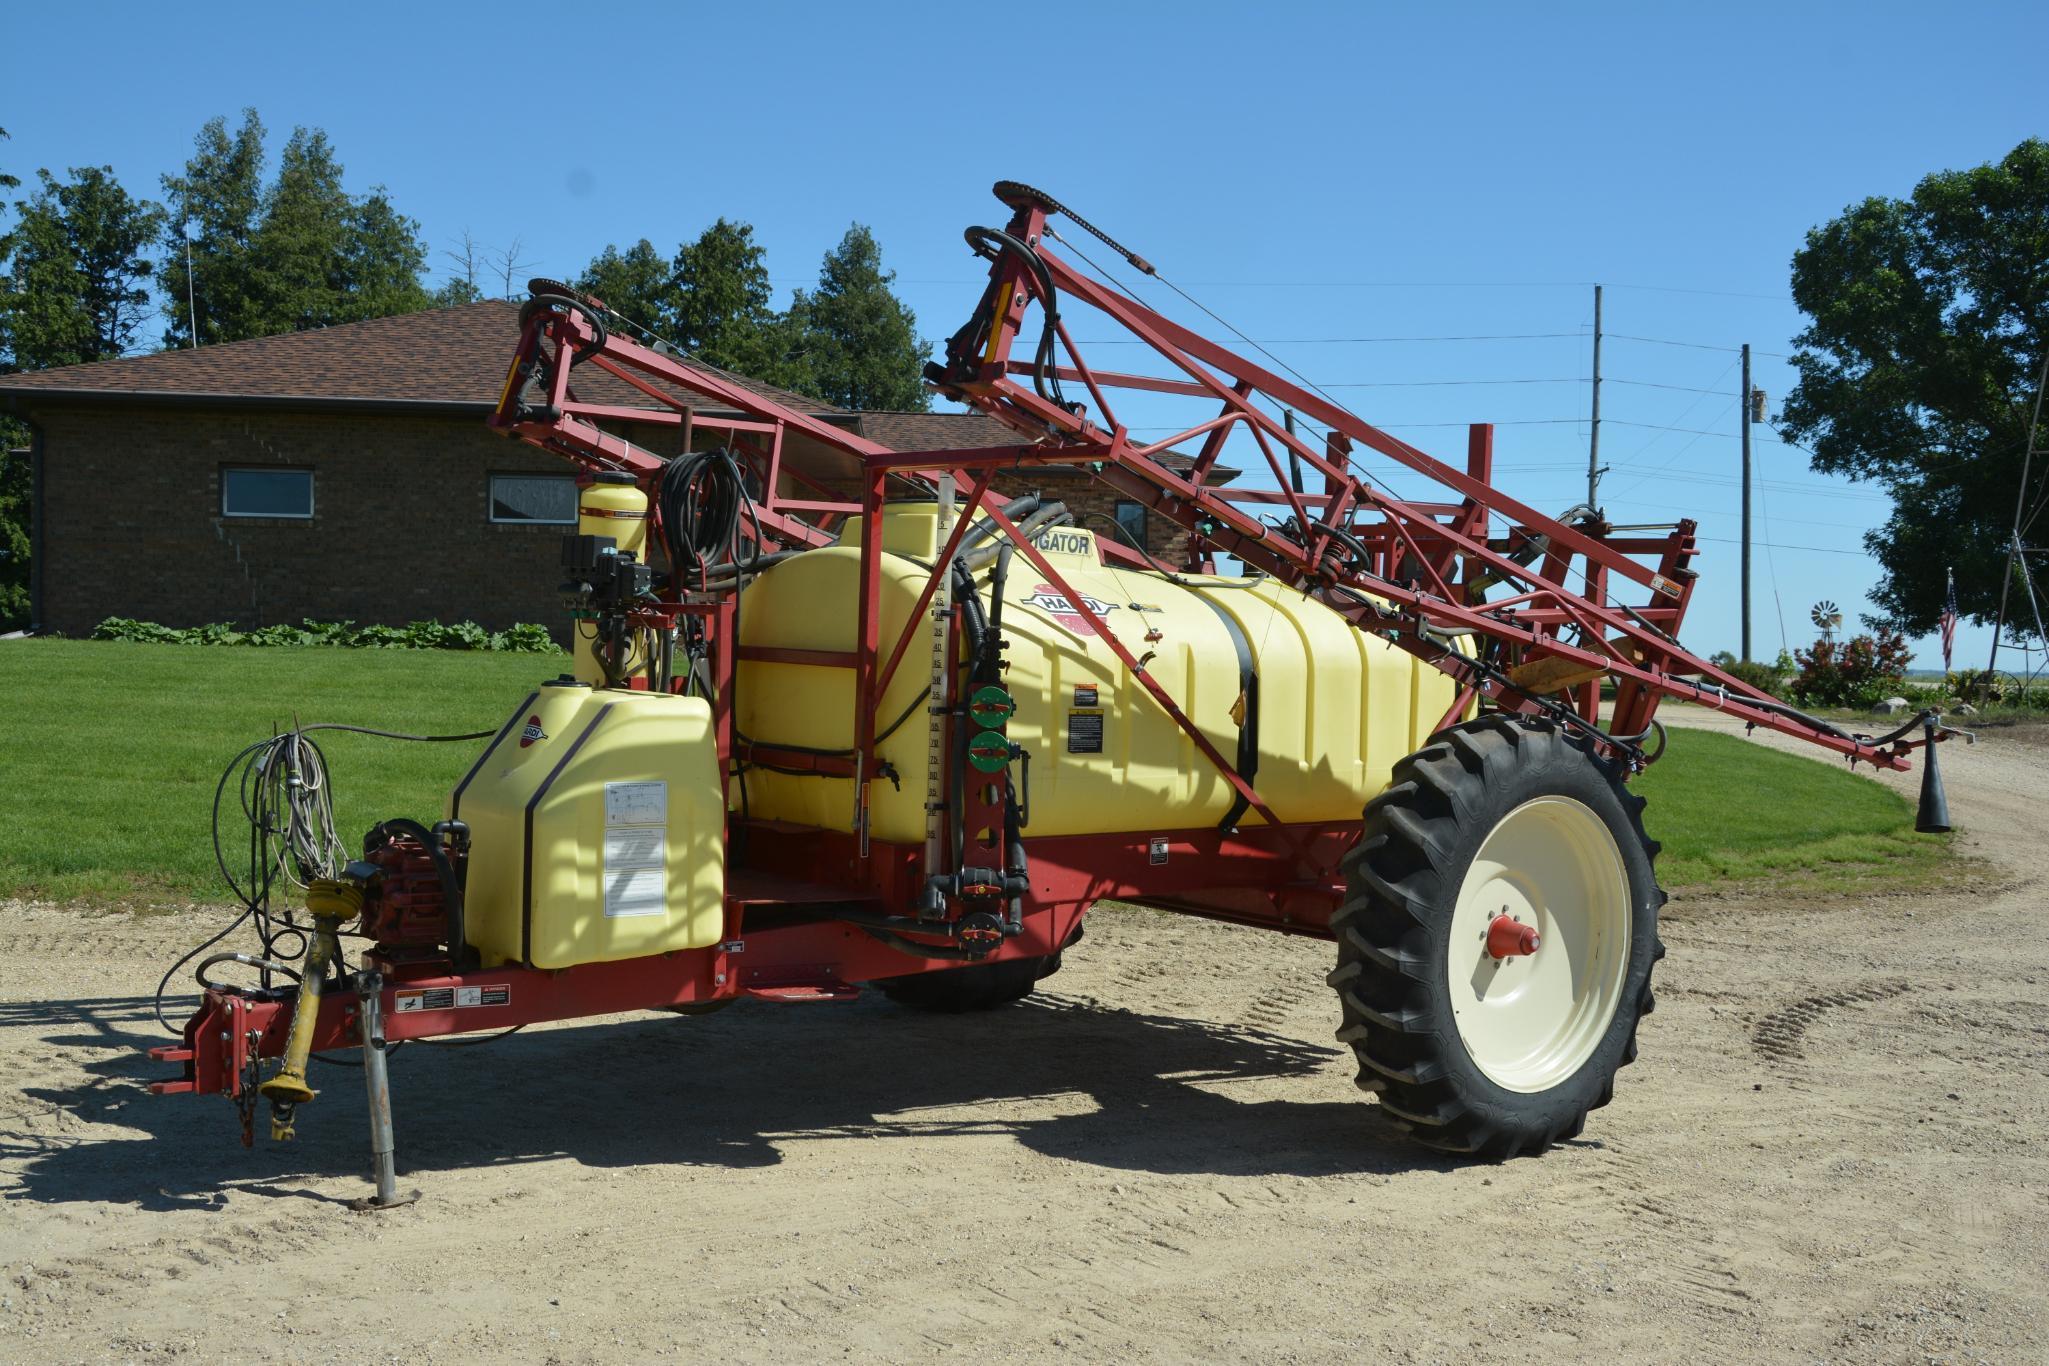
point(17, 398)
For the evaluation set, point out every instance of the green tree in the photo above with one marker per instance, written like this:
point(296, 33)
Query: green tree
point(299, 253)
point(79, 271)
point(215, 209)
point(860, 344)
point(723, 309)
point(1929, 317)
point(14, 489)
point(78, 292)
point(14, 520)
point(8, 182)
point(636, 284)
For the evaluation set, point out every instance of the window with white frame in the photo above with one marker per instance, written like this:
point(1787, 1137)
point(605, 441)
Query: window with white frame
point(544, 499)
point(266, 491)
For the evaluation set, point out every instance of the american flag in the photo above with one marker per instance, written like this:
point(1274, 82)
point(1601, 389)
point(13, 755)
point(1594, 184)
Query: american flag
point(1949, 620)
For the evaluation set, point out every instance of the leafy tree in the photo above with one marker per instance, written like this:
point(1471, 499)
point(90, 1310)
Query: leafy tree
point(14, 521)
point(636, 284)
point(1929, 320)
point(14, 492)
point(299, 253)
point(75, 264)
point(219, 202)
point(79, 273)
point(860, 344)
point(8, 182)
point(723, 309)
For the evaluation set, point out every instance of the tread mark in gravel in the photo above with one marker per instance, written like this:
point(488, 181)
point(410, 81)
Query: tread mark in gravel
point(1289, 992)
point(1778, 1035)
point(83, 945)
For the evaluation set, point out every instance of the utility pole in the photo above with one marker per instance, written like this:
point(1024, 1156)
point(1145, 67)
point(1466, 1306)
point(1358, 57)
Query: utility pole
point(1594, 442)
point(1748, 411)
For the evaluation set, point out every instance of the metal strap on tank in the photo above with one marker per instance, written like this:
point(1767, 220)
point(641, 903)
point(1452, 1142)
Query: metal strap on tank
point(526, 853)
point(1248, 686)
point(455, 802)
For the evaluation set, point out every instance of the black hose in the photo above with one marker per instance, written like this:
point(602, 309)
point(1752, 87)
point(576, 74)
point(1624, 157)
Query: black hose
point(698, 497)
point(991, 243)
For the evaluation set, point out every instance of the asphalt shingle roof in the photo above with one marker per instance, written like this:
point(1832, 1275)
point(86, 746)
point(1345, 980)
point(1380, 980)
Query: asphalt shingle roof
point(450, 356)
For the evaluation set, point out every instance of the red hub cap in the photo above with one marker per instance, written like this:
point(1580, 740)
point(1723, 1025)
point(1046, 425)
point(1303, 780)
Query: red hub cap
point(1508, 937)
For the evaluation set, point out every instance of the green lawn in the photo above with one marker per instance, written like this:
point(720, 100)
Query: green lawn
point(1726, 807)
point(109, 753)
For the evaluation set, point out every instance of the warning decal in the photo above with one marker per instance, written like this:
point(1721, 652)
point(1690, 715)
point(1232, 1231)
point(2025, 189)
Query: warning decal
point(407, 1002)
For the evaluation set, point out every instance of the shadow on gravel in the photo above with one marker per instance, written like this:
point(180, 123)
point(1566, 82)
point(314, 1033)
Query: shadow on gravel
point(1064, 1076)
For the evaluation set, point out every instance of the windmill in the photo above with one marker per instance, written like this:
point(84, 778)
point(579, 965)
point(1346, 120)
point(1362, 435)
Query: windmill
point(1828, 617)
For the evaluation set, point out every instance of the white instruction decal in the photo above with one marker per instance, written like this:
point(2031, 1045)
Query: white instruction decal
point(636, 866)
point(636, 804)
point(636, 891)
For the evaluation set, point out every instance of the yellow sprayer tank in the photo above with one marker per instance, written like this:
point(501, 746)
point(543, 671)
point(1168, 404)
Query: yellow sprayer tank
point(610, 505)
point(597, 829)
point(1341, 706)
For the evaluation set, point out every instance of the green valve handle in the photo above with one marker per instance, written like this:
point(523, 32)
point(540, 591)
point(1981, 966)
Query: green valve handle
point(989, 752)
point(991, 706)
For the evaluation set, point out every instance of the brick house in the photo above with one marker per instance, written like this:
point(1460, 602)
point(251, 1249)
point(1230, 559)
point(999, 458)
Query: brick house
point(346, 474)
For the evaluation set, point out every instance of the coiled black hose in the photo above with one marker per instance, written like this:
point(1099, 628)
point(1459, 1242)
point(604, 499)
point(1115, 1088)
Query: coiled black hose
point(698, 499)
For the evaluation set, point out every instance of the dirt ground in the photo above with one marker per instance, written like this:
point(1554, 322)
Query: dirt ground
point(1830, 1150)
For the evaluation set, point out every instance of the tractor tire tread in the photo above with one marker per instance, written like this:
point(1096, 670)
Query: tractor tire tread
point(1396, 877)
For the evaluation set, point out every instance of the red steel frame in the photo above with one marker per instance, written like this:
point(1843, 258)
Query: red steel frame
point(1481, 586)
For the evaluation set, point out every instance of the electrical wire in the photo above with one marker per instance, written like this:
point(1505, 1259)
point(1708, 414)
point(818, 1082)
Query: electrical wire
point(287, 801)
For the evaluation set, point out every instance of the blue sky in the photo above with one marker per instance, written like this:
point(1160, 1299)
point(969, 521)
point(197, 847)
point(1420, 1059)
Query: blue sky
point(1310, 172)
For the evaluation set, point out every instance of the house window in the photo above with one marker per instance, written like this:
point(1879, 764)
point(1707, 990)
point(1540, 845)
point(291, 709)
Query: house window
point(266, 492)
point(549, 499)
point(1131, 521)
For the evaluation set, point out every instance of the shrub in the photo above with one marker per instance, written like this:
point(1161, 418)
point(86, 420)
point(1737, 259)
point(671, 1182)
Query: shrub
point(1763, 677)
point(523, 638)
point(1859, 672)
point(527, 638)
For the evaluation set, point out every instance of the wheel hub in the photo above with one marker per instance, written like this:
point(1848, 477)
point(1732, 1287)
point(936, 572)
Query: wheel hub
point(1548, 876)
point(1508, 937)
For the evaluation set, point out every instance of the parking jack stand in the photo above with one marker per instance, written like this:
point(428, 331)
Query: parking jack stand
point(377, 1082)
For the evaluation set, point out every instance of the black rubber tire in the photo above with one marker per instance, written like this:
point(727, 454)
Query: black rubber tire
point(1393, 934)
point(977, 986)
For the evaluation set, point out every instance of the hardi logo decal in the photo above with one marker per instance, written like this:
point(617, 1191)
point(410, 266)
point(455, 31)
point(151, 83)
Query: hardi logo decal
point(1054, 603)
point(532, 732)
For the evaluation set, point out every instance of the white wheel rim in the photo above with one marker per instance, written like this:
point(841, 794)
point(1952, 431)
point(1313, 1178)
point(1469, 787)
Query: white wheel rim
point(1530, 1022)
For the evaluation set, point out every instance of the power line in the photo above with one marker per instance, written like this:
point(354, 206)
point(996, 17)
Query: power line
point(1359, 341)
point(1820, 549)
point(1697, 346)
point(1652, 384)
point(1439, 383)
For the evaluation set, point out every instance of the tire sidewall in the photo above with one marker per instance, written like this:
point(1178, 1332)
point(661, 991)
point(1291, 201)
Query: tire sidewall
point(1567, 770)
